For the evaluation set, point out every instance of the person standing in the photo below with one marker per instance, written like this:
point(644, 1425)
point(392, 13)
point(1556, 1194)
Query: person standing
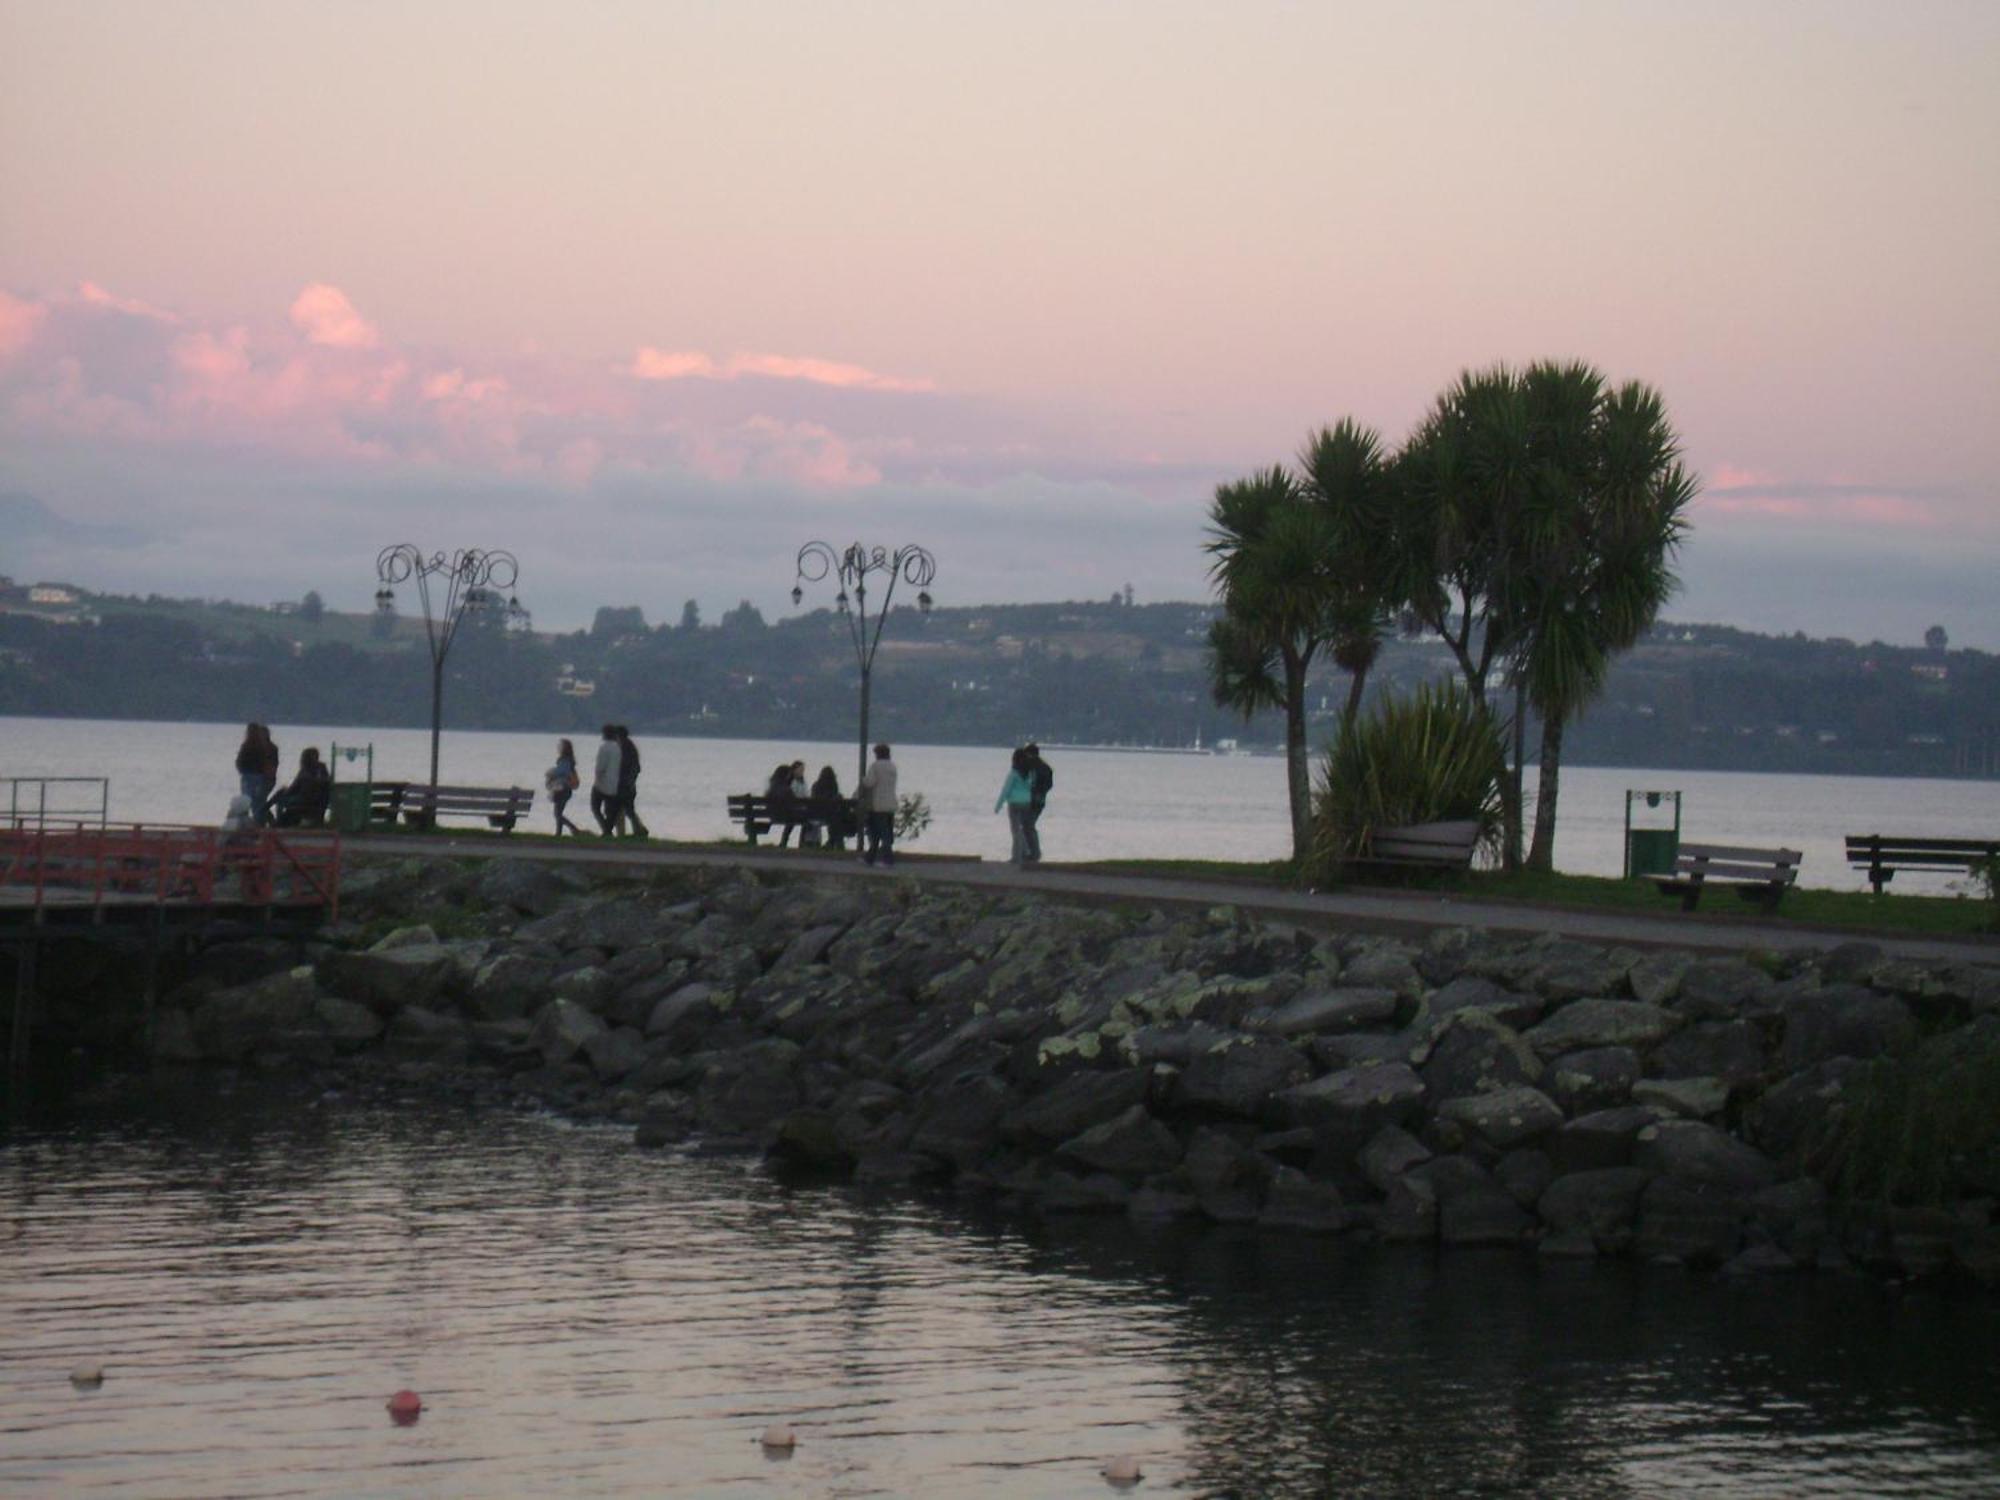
point(1043, 779)
point(561, 781)
point(878, 799)
point(1016, 792)
point(604, 784)
point(628, 786)
point(257, 770)
point(825, 808)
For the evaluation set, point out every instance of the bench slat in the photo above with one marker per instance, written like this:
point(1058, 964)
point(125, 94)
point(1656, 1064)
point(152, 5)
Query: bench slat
point(1740, 852)
point(1712, 870)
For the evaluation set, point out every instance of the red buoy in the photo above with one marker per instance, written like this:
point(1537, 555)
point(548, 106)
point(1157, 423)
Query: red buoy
point(405, 1407)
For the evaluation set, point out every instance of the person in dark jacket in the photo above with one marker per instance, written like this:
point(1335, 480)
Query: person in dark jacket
point(1041, 779)
point(828, 809)
point(628, 787)
point(782, 803)
point(257, 767)
point(304, 801)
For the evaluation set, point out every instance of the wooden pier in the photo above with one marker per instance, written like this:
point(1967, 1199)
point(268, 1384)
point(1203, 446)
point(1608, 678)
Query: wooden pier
point(155, 885)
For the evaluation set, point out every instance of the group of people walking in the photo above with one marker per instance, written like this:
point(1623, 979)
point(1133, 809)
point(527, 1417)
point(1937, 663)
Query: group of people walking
point(614, 785)
point(304, 801)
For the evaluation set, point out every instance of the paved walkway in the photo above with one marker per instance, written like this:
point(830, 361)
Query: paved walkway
point(1382, 910)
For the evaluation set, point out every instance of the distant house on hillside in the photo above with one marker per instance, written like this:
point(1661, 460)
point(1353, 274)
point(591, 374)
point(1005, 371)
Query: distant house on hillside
point(1930, 671)
point(54, 593)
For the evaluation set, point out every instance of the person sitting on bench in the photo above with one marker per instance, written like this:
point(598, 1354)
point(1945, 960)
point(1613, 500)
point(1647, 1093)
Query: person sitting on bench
point(304, 801)
point(827, 810)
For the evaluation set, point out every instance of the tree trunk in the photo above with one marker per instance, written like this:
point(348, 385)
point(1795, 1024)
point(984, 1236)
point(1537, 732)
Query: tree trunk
point(1298, 773)
point(1354, 690)
point(1543, 855)
point(1511, 807)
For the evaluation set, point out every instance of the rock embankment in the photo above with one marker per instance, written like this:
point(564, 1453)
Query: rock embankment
point(1471, 1089)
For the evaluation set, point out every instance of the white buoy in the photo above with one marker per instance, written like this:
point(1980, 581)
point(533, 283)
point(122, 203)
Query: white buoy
point(1123, 1470)
point(87, 1377)
point(780, 1438)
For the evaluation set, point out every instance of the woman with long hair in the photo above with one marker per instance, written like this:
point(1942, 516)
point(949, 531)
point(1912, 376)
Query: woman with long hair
point(257, 770)
point(1016, 793)
point(561, 780)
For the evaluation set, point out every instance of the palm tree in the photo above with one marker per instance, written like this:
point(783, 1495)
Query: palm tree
point(1606, 512)
point(1270, 544)
point(1346, 475)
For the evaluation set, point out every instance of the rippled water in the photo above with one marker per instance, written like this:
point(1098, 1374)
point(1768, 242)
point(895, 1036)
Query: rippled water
point(1107, 804)
point(259, 1273)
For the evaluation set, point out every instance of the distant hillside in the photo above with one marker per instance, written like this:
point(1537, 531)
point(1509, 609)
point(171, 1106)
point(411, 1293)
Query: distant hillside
point(1694, 696)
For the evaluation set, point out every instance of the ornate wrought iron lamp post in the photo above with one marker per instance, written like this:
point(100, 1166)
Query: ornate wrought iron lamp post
point(851, 568)
point(472, 578)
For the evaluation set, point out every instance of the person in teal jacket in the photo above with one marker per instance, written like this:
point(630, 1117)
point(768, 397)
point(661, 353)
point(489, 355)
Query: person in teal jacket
point(1016, 795)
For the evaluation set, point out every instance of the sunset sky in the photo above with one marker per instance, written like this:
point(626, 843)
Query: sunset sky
point(653, 293)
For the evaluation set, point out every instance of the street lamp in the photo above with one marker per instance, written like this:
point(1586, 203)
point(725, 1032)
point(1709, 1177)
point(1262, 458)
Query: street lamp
point(850, 570)
point(473, 578)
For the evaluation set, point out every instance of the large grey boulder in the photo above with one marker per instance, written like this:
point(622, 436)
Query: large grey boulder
point(1595, 1078)
point(1730, 1050)
point(1691, 1151)
point(1602, 1023)
point(419, 1033)
point(1297, 1202)
point(1385, 966)
point(387, 979)
point(1360, 1049)
point(1076, 1103)
point(615, 925)
point(561, 1028)
point(1602, 1204)
point(510, 985)
point(1131, 1144)
point(1390, 1153)
point(809, 947)
point(1176, 1043)
point(1722, 989)
point(1578, 971)
point(1473, 1209)
point(614, 1053)
point(1475, 992)
point(1656, 977)
point(1795, 1114)
point(1843, 1021)
point(1322, 1010)
point(522, 885)
point(1227, 1177)
point(1240, 1078)
point(1475, 1053)
point(1604, 1138)
point(1505, 1119)
point(1359, 1101)
point(590, 987)
point(348, 1026)
point(749, 1089)
point(231, 1024)
point(682, 1017)
point(1689, 1221)
point(961, 1120)
point(1690, 1098)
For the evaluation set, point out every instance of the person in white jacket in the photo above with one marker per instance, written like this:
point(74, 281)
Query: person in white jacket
point(604, 784)
point(878, 801)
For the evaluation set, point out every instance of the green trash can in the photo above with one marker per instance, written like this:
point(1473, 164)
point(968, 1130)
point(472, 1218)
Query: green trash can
point(1651, 851)
point(348, 809)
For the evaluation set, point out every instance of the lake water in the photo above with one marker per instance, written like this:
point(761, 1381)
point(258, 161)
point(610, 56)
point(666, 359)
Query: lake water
point(1107, 804)
point(582, 1318)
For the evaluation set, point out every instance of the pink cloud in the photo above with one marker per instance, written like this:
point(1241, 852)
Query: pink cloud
point(691, 364)
point(18, 322)
point(325, 316)
point(1732, 491)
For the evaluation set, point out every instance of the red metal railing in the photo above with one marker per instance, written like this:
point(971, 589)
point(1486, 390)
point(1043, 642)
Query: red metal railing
point(184, 866)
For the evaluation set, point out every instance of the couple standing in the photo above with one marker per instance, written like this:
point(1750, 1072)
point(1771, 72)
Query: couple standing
point(1024, 794)
point(614, 790)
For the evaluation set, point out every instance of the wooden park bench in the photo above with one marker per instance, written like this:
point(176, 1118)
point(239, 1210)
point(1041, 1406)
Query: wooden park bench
point(1422, 846)
point(1882, 856)
point(1759, 875)
point(420, 806)
point(751, 811)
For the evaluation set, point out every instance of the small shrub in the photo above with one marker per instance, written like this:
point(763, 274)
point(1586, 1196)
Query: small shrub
point(1986, 880)
point(1921, 1129)
point(1425, 758)
point(913, 816)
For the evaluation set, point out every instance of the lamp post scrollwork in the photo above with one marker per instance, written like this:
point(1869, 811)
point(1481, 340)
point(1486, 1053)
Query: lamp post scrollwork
point(473, 578)
point(851, 569)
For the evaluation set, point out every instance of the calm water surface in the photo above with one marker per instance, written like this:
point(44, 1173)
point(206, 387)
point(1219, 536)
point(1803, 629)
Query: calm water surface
point(258, 1273)
point(1107, 804)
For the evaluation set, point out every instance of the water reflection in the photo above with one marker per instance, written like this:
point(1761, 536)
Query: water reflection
point(583, 1318)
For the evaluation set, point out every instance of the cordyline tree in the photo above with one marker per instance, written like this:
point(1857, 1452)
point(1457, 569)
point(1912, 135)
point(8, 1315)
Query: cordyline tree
point(1303, 568)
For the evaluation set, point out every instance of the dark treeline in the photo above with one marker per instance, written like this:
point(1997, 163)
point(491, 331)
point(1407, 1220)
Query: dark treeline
point(1698, 697)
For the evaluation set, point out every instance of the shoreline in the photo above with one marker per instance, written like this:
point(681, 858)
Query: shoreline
point(1472, 1088)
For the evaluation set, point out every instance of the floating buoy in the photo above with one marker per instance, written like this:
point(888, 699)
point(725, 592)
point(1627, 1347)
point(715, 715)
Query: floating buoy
point(405, 1407)
point(1123, 1471)
point(87, 1377)
point(778, 1438)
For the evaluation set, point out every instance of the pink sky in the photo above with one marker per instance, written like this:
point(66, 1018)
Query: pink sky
point(1022, 282)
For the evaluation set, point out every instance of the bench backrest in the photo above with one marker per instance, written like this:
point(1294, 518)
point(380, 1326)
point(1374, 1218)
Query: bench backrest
point(1874, 848)
point(1737, 862)
point(467, 798)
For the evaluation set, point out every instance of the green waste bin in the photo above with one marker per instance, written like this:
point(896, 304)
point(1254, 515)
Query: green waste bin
point(1651, 851)
point(348, 809)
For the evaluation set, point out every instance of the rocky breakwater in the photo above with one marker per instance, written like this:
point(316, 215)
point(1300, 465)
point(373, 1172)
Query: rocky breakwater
point(1470, 1089)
